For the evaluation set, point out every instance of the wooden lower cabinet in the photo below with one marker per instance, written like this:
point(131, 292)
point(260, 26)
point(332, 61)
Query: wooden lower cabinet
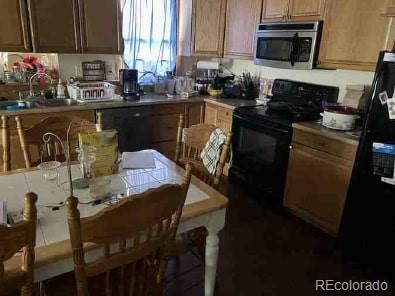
point(317, 183)
point(168, 148)
point(218, 116)
point(164, 124)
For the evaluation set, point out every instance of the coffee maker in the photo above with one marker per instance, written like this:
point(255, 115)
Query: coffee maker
point(129, 84)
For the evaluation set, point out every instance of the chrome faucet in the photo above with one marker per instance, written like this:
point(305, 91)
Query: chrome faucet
point(31, 92)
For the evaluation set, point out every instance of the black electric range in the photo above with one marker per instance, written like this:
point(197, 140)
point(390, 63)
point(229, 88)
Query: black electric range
point(262, 135)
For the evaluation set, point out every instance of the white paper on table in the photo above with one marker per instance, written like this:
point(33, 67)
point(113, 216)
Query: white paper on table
point(138, 160)
point(3, 212)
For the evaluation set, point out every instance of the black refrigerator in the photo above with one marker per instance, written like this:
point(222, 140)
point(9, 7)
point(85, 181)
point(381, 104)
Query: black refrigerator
point(367, 231)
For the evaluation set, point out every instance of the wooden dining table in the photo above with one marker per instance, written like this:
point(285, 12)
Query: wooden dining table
point(204, 206)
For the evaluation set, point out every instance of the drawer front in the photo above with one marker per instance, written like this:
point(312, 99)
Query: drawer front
point(328, 145)
point(168, 109)
point(224, 113)
point(210, 114)
point(164, 127)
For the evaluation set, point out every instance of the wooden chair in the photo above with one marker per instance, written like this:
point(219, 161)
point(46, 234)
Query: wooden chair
point(147, 221)
point(12, 239)
point(190, 143)
point(33, 137)
point(5, 143)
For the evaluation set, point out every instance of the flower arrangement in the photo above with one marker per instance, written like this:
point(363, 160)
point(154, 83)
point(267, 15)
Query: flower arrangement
point(30, 66)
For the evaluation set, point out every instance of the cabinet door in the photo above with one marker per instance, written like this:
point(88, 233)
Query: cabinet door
point(274, 9)
point(54, 26)
point(242, 18)
point(320, 200)
point(100, 26)
point(354, 33)
point(210, 114)
point(14, 34)
point(194, 113)
point(208, 27)
point(306, 9)
point(224, 119)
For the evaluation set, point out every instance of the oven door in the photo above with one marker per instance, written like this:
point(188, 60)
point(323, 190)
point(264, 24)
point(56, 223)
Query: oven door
point(287, 49)
point(260, 155)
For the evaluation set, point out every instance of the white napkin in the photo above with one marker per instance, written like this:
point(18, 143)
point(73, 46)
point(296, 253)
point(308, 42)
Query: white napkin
point(138, 160)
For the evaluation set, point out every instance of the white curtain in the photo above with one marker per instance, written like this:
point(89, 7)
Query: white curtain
point(150, 35)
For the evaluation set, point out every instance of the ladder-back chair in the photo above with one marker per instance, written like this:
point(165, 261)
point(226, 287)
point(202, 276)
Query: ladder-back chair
point(190, 143)
point(142, 226)
point(31, 139)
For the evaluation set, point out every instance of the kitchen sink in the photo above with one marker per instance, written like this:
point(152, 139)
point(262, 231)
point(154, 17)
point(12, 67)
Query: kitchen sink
point(56, 102)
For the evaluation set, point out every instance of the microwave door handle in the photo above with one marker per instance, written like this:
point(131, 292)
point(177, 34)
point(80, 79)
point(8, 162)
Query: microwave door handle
point(294, 46)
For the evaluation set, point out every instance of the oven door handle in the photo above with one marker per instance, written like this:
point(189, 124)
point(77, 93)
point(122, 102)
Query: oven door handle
point(252, 124)
point(294, 49)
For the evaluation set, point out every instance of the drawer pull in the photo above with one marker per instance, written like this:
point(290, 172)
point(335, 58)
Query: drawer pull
point(137, 115)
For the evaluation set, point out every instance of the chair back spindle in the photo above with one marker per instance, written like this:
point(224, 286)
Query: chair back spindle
point(5, 143)
point(135, 234)
point(21, 236)
point(32, 137)
point(190, 143)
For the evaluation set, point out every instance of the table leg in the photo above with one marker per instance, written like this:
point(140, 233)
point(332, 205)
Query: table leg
point(215, 224)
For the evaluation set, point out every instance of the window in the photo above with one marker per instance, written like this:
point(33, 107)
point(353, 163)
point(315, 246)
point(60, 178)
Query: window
point(150, 34)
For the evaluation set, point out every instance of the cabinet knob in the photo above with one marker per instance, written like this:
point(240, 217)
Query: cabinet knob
point(291, 147)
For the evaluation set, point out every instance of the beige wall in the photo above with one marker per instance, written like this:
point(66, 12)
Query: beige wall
point(70, 64)
point(339, 78)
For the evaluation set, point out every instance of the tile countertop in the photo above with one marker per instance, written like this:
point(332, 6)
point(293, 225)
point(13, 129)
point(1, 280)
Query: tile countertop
point(315, 127)
point(150, 99)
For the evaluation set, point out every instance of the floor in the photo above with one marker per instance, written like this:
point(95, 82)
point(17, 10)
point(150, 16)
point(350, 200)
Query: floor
point(265, 251)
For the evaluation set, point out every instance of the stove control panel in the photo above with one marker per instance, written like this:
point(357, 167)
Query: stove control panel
point(302, 91)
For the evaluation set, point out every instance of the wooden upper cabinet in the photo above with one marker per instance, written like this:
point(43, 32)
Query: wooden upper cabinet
point(274, 10)
point(289, 10)
point(54, 25)
point(100, 23)
point(14, 34)
point(208, 22)
point(306, 9)
point(354, 33)
point(242, 18)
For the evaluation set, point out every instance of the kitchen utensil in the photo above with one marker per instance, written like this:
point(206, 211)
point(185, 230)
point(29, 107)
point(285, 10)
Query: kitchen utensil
point(339, 117)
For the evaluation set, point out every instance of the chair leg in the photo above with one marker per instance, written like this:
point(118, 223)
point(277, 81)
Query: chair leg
point(42, 289)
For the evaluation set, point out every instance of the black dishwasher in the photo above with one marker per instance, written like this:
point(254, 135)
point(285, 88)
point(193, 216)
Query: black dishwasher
point(133, 125)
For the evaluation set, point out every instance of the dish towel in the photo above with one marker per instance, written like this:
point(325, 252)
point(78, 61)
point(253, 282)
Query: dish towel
point(212, 151)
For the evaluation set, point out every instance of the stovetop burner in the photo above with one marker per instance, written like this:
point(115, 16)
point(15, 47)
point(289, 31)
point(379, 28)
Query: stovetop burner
point(293, 101)
point(298, 112)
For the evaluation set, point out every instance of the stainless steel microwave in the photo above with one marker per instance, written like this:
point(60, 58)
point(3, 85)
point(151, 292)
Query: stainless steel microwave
point(288, 45)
